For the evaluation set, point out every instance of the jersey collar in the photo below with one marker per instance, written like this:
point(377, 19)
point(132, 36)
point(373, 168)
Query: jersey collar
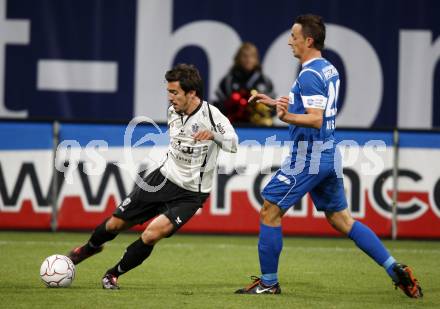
point(310, 61)
point(194, 111)
point(197, 109)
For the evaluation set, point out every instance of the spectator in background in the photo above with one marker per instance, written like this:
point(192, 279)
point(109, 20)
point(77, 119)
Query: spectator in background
point(243, 80)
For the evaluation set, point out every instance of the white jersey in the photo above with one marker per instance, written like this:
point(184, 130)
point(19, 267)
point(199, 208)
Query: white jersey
point(191, 164)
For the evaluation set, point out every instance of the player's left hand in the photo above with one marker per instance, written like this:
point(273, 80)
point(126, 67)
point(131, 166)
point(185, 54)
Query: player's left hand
point(282, 107)
point(203, 135)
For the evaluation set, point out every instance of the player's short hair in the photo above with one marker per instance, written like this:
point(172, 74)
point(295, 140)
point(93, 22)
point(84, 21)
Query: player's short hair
point(313, 27)
point(188, 76)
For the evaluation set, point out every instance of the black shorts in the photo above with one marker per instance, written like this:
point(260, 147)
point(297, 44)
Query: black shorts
point(176, 203)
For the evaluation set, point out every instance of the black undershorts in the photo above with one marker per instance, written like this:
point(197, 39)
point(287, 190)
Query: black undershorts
point(176, 203)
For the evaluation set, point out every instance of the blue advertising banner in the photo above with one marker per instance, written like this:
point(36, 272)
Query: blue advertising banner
point(64, 59)
point(26, 136)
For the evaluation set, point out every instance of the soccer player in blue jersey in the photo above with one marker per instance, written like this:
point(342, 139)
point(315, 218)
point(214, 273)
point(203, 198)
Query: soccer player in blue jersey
point(314, 164)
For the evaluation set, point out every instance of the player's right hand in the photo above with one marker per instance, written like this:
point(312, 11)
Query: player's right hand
point(262, 98)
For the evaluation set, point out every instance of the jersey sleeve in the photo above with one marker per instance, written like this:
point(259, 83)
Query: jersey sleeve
point(312, 90)
point(224, 134)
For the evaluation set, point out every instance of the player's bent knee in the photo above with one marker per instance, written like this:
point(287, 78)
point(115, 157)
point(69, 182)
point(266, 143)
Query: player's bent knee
point(340, 221)
point(158, 229)
point(152, 236)
point(115, 225)
point(270, 214)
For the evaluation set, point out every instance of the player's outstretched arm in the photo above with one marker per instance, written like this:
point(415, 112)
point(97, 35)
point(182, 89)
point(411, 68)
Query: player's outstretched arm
point(262, 98)
point(313, 99)
point(312, 119)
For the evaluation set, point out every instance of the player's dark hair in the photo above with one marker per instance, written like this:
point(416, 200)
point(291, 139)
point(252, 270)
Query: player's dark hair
point(188, 76)
point(313, 27)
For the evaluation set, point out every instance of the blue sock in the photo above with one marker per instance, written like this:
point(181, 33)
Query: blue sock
point(270, 245)
point(368, 242)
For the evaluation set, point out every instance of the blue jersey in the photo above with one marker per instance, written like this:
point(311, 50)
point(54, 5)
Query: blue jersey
point(317, 86)
point(313, 166)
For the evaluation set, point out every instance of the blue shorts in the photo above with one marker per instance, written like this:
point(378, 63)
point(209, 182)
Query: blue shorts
point(326, 189)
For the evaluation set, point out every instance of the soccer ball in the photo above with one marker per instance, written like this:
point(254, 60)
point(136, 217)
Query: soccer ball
point(57, 271)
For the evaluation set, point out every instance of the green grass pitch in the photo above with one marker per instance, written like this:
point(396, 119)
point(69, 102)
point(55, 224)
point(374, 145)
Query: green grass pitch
point(189, 271)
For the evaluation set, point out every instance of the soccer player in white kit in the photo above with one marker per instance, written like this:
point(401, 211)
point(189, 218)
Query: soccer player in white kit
point(181, 184)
